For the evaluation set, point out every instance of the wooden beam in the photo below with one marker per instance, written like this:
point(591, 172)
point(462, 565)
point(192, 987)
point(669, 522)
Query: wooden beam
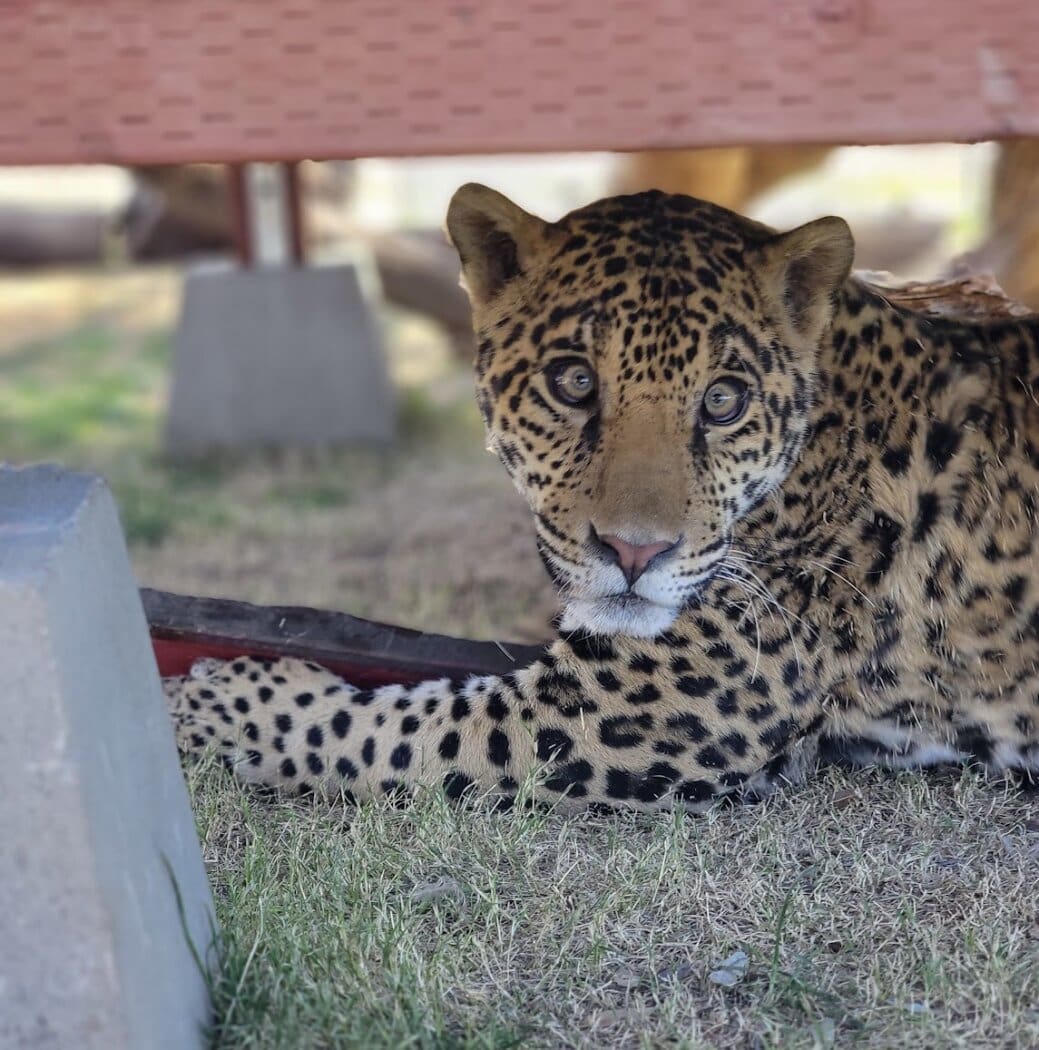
point(186, 629)
point(121, 81)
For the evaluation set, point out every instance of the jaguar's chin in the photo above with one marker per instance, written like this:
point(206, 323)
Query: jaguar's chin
point(620, 614)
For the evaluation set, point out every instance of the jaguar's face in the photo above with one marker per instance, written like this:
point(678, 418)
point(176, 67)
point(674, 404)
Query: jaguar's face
point(646, 373)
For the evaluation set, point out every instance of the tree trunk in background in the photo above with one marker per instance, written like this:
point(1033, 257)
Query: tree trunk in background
point(1015, 219)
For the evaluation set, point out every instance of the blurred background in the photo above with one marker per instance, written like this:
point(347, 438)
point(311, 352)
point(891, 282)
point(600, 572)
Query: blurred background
point(425, 530)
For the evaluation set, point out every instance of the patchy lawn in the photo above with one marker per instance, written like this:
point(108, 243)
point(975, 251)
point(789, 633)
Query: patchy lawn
point(870, 909)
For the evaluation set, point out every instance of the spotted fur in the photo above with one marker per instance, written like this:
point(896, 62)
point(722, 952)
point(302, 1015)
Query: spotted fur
point(848, 564)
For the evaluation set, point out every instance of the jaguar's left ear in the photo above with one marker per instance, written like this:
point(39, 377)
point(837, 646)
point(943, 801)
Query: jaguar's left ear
point(802, 270)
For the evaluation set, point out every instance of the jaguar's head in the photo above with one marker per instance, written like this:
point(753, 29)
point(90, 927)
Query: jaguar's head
point(646, 369)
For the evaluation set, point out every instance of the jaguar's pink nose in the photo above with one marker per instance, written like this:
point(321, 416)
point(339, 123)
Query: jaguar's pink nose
point(634, 559)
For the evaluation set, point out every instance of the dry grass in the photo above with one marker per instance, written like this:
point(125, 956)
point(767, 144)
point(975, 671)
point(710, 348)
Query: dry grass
point(446, 548)
point(431, 534)
point(875, 910)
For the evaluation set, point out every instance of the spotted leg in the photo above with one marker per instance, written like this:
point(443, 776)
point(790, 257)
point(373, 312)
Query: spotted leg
point(682, 719)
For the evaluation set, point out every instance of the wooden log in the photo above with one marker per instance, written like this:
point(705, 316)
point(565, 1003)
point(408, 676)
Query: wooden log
point(53, 236)
point(974, 298)
point(186, 629)
point(418, 271)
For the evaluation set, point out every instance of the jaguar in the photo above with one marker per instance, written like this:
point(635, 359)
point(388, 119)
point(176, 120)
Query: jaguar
point(786, 518)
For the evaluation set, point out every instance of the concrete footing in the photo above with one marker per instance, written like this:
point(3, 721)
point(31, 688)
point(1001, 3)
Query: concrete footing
point(96, 834)
point(275, 357)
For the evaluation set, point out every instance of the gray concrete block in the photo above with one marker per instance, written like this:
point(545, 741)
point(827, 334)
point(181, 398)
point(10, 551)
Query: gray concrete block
point(94, 814)
point(277, 357)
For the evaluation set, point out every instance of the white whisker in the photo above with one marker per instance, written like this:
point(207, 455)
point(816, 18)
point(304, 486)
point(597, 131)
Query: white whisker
point(755, 585)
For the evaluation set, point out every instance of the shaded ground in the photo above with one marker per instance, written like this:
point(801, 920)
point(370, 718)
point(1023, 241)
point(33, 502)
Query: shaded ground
point(873, 910)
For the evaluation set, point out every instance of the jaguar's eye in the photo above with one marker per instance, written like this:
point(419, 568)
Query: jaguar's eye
point(725, 401)
point(572, 381)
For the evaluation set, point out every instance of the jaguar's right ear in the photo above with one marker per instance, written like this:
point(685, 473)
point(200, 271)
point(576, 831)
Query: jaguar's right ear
point(494, 238)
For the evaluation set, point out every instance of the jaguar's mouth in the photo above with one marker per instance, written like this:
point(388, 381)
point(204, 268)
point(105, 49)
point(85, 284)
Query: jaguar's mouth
point(626, 614)
point(645, 612)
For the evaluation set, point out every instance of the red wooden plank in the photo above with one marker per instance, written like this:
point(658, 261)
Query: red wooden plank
point(153, 81)
point(176, 657)
point(185, 629)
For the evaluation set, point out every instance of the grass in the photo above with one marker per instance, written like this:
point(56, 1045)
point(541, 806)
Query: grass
point(91, 398)
point(874, 910)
